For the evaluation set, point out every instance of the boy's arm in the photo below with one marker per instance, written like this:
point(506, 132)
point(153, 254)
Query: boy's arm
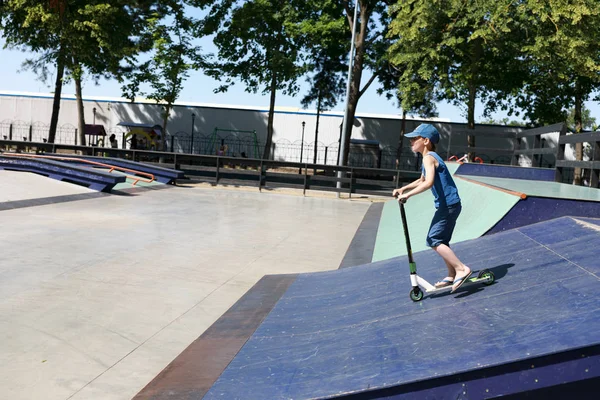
point(426, 182)
point(411, 185)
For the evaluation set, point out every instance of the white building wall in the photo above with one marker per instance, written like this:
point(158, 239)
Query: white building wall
point(35, 108)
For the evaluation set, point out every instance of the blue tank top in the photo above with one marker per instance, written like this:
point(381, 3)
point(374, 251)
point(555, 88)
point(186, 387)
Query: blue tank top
point(444, 189)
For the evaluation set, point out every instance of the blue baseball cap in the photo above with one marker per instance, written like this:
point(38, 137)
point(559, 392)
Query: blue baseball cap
point(427, 131)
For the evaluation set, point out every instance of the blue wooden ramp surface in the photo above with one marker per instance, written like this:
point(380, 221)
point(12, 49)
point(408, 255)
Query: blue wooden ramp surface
point(88, 177)
point(507, 171)
point(355, 332)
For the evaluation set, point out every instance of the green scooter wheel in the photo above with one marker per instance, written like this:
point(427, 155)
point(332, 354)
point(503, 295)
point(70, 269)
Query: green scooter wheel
point(487, 274)
point(416, 294)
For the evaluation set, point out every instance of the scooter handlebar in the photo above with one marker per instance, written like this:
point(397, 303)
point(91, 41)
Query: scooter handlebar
point(403, 201)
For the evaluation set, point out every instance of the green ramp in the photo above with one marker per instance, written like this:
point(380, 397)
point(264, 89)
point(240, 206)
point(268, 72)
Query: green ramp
point(482, 208)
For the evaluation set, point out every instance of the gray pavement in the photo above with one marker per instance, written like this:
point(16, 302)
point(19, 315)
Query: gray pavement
point(97, 296)
point(16, 186)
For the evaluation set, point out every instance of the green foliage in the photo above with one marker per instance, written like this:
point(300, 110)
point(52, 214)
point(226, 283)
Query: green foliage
point(457, 49)
point(588, 122)
point(322, 35)
point(562, 54)
point(94, 34)
point(415, 97)
point(74, 35)
point(257, 44)
point(536, 59)
point(327, 81)
point(172, 56)
point(565, 31)
point(504, 121)
point(371, 44)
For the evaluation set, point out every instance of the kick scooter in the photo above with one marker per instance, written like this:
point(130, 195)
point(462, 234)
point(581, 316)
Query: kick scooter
point(420, 285)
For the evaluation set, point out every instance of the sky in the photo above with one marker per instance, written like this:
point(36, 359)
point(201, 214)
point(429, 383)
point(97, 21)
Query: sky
point(198, 88)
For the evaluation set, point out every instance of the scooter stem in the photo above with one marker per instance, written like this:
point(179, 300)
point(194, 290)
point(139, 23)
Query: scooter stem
point(406, 235)
point(414, 278)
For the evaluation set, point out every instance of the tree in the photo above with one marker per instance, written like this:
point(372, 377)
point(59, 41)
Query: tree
point(587, 121)
point(323, 43)
point(414, 98)
point(173, 56)
point(72, 36)
point(465, 50)
point(255, 45)
point(34, 26)
point(504, 121)
point(565, 41)
point(370, 46)
point(327, 86)
point(106, 36)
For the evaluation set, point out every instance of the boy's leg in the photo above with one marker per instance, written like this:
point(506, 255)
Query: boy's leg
point(440, 234)
point(451, 270)
point(448, 280)
point(455, 266)
point(435, 237)
point(462, 272)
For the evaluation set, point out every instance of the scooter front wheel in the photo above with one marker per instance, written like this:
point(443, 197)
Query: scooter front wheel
point(416, 294)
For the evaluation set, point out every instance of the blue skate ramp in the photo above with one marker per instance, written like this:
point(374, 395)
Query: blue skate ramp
point(355, 333)
point(544, 201)
point(90, 178)
point(507, 171)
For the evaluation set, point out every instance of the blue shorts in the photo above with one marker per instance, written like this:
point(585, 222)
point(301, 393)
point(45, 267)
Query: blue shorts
point(442, 225)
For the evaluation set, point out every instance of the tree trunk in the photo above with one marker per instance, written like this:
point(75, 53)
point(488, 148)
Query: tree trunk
point(471, 122)
point(476, 54)
point(577, 175)
point(60, 71)
point(267, 151)
point(401, 139)
point(80, 114)
point(352, 103)
point(357, 70)
point(163, 136)
point(319, 100)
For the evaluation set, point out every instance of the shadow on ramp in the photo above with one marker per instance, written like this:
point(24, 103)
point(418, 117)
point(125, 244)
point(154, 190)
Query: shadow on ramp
point(499, 272)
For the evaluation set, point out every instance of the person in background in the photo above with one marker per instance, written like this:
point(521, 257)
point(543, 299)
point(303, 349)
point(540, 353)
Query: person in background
point(113, 141)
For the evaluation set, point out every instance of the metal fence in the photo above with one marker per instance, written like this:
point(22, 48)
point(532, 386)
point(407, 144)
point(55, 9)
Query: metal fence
point(227, 144)
point(216, 169)
point(242, 145)
point(40, 132)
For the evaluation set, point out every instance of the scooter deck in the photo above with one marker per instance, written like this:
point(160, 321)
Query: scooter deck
point(468, 282)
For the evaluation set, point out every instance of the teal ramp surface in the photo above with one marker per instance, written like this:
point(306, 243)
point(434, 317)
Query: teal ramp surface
point(130, 179)
point(482, 208)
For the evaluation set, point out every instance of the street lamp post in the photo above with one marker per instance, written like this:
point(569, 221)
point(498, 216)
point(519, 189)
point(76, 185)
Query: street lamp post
point(192, 141)
point(301, 147)
point(94, 110)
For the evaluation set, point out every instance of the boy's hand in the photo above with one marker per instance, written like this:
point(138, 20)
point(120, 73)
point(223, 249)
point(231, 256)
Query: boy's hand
point(399, 194)
point(402, 198)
